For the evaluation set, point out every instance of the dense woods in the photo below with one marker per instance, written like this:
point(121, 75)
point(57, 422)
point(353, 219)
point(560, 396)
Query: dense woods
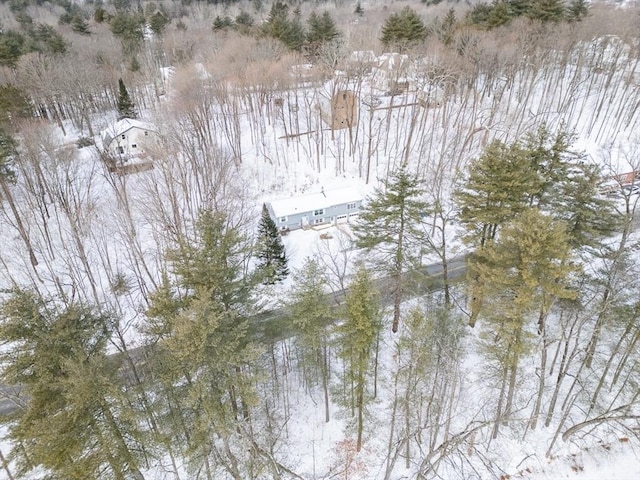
point(152, 318)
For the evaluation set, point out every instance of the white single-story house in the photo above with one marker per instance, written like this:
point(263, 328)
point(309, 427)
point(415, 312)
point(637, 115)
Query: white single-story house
point(325, 207)
point(127, 138)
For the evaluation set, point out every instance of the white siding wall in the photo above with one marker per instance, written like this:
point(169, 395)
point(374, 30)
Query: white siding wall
point(131, 142)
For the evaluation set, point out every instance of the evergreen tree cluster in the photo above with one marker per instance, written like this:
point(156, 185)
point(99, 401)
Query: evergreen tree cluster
point(242, 23)
point(32, 37)
point(501, 12)
point(539, 171)
point(71, 423)
point(403, 30)
point(14, 105)
point(73, 15)
point(321, 29)
point(129, 28)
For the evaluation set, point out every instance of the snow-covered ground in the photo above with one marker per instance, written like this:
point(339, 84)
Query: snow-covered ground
point(92, 228)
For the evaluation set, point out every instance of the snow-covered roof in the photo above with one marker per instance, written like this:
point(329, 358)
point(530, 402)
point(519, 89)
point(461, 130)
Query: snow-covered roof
point(392, 61)
point(315, 201)
point(122, 126)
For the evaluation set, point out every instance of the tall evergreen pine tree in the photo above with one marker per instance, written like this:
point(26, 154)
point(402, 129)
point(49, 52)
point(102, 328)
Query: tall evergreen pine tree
point(403, 30)
point(280, 27)
point(357, 337)
point(68, 426)
point(322, 28)
point(390, 226)
point(270, 250)
point(310, 312)
point(126, 108)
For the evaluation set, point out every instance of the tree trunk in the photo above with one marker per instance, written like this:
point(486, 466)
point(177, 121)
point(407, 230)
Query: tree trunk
point(541, 382)
point(5, 465)
point(516, 347)
point(121, 444)
point(496, 424)
point(476, 301)
point(19, 225)
point(360, 407)
point(325, 382)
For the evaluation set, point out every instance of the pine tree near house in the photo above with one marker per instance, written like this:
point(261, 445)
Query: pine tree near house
point(322, 31)
point(501, 184)
point(215, 263)
point(388, 226)
point(498, 187)
point(207, 356)
point(270, 251)
point(126, 108)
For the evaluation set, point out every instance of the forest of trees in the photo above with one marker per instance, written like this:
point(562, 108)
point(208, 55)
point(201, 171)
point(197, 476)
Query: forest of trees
point(155, 323)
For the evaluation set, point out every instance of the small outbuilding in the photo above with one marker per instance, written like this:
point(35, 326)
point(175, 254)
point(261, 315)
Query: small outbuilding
point(341, 111)
point(316, 209)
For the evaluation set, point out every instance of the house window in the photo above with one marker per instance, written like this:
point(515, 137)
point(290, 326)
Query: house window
point(124, 137)
point(121, 150)
point(317, 213)
point(351, 206)
point(283, 219)
point(341, 217)
point(146, 134)
point(134, 146)
point(318, 220)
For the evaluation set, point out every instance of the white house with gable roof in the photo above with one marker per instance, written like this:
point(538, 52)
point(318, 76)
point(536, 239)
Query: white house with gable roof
point(315, 209)
point(127, 138)
point(391, 73)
